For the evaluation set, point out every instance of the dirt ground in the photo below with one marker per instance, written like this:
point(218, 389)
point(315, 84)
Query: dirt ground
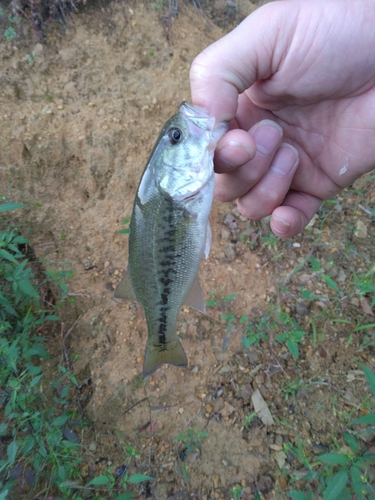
point(79, 115)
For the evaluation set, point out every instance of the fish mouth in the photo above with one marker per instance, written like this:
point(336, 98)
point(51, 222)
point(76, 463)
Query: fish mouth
point(198, 116)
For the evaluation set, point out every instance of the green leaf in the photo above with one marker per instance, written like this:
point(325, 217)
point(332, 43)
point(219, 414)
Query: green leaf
point(35, 380)
point(351, 441)
point(3, 429)
point(28, 446)
point(12, 452)
point(139, 478)
point(5, 207)
point(366, 419)
point(334, 458)
point(336, 485)
point(124, 496)
point(370, 376)
point(99, 481)
point(61, 420)
point(37, 350)
point(52, 317)
point(329, 281)
point(8, 256)
point(293, 348)
point(357, 483)
point(4, 494)
point(28, 288)
point(298, 495)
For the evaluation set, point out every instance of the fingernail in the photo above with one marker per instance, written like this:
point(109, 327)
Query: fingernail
point(286, 158)
point(237, 151)
point(267, 137)
point(279, 225)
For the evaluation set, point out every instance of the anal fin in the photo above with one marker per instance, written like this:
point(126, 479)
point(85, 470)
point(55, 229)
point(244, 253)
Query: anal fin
point(125, 288)
point(195, 299)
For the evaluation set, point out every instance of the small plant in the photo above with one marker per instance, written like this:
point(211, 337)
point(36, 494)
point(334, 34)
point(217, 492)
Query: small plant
point(10, 33)
point(192, 439)
point(342, 474)
point(192, 442)
point(236, 492)
point(217, 299)
point(271, 323)
point(125, 222)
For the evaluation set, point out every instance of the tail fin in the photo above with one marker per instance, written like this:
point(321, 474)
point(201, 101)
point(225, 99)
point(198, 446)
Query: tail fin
point(172, 353)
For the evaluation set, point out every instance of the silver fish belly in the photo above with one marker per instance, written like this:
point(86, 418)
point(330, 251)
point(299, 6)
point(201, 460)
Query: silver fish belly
point(169, 230)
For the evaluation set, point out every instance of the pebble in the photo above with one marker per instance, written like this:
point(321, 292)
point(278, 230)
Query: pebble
point(92, 446)
point(360, 230)
point(341, 276)
point(224, 234)
point(302, 308)
point(229, 252)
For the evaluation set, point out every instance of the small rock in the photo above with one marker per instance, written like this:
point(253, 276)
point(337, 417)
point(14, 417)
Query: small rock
point(230, 221)
point(92, 446)
point(225, 369)
point(264, 484)
point(246, 391)
point(360, 230)
point(302, 308)
point(341, 276)
point(279, 439)
point(224, 234)
point(229, 252)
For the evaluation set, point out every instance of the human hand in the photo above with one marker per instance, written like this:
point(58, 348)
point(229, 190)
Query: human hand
point(297, 81)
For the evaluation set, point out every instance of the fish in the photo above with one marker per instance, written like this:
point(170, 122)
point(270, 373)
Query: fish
point(169, 230)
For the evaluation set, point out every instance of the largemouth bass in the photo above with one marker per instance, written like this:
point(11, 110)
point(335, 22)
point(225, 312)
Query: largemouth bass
point(169, 230)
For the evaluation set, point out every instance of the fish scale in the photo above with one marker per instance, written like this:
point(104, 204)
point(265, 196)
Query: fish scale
point(169, 230)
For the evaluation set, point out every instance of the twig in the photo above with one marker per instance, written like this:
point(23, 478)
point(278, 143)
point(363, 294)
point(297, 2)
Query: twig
point(135, 404)
point(366, 210)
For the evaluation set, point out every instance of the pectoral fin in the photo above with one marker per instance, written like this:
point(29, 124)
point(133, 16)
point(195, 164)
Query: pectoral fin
point(195, 299)
point(171, 353)
point(125, 288)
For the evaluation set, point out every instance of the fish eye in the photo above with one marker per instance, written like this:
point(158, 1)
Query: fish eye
point(175, 135)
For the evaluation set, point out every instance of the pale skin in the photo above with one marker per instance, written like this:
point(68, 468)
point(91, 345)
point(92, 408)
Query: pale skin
point(296, 79)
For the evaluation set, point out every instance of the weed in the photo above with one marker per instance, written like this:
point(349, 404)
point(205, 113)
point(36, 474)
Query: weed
point(236, 492)
point(192, 442)
point(10, 33)
point(217, 299)
point(192, 439)
point(125, 222)
point(36, 424)
point(347, 472)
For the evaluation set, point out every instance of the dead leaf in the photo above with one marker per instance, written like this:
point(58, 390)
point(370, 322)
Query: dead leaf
point(365, 306)
point(261, 408)
point(227, 410)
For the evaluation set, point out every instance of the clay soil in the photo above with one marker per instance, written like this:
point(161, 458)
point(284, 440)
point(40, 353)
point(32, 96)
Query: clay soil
point(79, 114)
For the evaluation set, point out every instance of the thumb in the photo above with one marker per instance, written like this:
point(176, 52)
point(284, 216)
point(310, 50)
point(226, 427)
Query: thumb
point(231, 65)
